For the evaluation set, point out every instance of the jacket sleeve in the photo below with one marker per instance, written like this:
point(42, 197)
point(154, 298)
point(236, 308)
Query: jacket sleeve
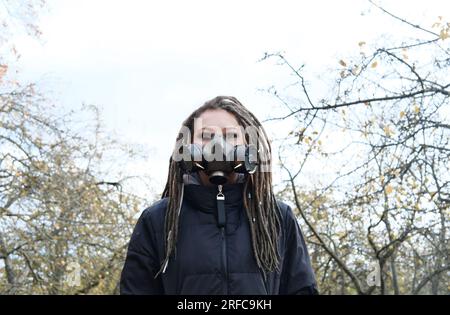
point(141, 263)
point(297, 275)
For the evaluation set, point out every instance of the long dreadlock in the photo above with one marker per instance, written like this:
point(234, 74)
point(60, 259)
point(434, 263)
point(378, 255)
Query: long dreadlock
point(258, 197)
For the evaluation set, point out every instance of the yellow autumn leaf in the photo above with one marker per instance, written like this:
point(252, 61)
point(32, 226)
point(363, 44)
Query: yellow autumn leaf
point(3, 69)
point(402, 114)
point(432, 194)
point(437, 24)
point(374, 64)
point(416, 109)
point(388, 189)
point(388, 131)
point(307, 140)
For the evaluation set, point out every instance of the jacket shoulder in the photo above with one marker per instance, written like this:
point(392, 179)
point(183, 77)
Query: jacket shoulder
point(148, 227)
point(156, 212)
point(285, 211)
point(289, 221)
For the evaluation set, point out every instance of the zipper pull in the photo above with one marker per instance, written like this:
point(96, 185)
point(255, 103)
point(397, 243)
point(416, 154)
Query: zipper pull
point(221, 219)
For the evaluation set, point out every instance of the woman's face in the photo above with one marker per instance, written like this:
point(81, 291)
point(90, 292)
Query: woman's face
point(217, 122)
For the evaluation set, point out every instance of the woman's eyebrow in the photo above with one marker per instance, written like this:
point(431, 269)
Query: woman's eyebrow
point(224, 129)
point(209, 129)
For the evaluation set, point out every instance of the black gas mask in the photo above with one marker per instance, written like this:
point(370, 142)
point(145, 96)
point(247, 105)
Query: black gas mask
point(218, 159)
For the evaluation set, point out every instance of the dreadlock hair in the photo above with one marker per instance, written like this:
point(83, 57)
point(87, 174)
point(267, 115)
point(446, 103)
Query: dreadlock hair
point(258, 198)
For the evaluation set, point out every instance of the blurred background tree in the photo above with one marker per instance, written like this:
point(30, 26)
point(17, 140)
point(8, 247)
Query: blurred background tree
point(377, 217)
point(65, 219)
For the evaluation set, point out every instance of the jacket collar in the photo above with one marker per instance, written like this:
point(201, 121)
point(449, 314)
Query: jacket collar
point(204, 197)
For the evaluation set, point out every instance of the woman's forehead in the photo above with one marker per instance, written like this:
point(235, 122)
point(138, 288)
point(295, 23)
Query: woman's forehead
point(216, 119)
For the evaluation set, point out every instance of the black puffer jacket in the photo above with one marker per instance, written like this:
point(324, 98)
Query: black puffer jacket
point(207, 261)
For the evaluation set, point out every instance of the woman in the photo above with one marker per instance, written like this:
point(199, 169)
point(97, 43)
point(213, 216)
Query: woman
point(217, 231)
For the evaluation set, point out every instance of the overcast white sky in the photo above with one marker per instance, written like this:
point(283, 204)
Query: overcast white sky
point(149, 64)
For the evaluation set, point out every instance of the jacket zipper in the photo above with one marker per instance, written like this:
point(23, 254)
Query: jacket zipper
point(221, 218)
point(224, 257)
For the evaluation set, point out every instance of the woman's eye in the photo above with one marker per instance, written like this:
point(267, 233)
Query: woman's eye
point(231, 136)
point(207, 135)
